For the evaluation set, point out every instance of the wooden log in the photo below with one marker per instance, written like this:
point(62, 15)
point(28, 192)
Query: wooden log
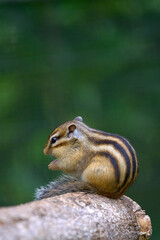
point(75, 216)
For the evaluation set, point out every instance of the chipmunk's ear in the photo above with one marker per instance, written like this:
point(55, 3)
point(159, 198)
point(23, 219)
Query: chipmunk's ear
point(73, 131)
point(71, 128)
point(79, 118)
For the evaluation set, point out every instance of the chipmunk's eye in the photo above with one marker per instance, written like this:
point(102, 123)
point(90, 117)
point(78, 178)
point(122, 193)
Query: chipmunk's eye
point(53, 140)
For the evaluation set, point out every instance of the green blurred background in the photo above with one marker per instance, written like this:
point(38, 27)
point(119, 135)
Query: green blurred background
point(60, 59)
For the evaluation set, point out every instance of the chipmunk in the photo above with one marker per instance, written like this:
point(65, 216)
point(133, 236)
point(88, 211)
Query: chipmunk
point(96, 161)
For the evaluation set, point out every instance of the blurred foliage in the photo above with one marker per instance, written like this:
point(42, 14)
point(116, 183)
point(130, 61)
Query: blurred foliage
point(60, 59)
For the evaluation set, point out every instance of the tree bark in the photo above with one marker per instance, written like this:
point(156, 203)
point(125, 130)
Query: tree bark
point(75, 216)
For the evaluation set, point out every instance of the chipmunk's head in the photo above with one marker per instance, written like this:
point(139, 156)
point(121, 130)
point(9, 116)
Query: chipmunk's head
point(65, 142)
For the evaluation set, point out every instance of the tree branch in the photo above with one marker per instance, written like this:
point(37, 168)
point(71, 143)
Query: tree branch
point(75, 216)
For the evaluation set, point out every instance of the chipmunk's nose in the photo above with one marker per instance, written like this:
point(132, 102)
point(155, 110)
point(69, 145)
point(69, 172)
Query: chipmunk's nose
point(45, 150)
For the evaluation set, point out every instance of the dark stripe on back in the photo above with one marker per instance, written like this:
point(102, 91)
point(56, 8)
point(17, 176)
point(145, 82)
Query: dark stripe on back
point(120, 149)
point(132, 154)
point(114, 163)
point(127, 145)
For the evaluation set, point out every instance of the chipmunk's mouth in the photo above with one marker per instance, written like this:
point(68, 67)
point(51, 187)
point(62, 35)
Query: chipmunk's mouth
point(53, 165)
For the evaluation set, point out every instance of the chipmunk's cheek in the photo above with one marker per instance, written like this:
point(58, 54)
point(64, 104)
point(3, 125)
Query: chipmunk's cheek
point(51, 152)
point(54, 165)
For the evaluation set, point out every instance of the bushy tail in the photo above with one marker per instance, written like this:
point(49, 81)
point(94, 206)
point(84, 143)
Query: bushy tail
point(63, 185)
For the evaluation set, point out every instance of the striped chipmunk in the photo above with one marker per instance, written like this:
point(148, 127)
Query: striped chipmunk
point(95, 161)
